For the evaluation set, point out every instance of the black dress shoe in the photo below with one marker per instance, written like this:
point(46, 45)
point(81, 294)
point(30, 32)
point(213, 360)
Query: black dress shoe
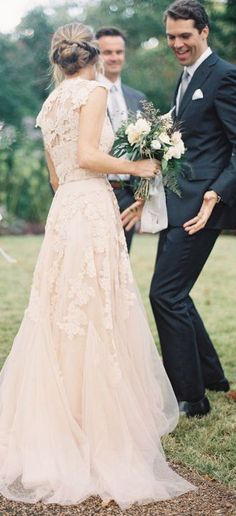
point(222, 385)
point(195, 408)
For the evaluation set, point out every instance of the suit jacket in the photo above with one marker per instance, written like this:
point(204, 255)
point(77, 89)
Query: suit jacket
point(133, 98)
point(208, 126)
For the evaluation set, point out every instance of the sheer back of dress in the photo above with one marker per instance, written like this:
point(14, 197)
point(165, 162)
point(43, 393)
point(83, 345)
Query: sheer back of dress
point(59, 121)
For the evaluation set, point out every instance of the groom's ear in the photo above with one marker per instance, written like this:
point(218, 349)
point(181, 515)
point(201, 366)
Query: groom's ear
point(205, 32)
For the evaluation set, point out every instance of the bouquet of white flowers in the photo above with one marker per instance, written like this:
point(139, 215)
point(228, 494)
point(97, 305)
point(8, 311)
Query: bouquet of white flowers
point(151, 135)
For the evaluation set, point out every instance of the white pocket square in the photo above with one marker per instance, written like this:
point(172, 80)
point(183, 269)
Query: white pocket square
point(197, 95)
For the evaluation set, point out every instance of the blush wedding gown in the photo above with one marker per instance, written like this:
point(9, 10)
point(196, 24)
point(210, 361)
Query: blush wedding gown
point(84, 397)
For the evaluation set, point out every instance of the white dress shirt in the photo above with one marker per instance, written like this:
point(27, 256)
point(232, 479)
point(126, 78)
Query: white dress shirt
point(121, 112)
point(119, 96)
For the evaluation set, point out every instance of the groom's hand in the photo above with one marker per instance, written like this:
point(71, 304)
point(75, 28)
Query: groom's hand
point(131, 215)
point(210, 199)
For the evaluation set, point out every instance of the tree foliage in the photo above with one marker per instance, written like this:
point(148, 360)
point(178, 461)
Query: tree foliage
point(25, 79)
point(154, 69)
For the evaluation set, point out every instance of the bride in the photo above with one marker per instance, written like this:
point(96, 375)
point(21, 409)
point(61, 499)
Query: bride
point(84, 397)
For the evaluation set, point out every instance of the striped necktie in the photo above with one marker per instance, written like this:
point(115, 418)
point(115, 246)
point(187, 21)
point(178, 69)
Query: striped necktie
point(182, 88)
point(115, 112)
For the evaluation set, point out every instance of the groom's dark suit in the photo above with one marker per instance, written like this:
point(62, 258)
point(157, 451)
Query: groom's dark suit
point(208, 125)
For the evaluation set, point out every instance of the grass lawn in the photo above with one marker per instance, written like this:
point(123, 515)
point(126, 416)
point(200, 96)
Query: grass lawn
point(209, 444)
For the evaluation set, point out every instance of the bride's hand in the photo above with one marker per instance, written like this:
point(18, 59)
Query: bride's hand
point(131, 215)
point(147, 168)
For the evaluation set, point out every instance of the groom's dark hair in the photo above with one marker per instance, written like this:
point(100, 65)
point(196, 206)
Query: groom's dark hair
point(188, 10)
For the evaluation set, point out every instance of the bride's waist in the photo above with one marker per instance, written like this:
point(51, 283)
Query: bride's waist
point(84, 185)
point(79, 180)
point(71, 176)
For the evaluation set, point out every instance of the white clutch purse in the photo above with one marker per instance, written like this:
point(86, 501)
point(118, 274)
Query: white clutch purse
point(154, 215)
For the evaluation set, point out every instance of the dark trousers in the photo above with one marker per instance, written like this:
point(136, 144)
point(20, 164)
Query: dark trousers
point(125, 198)
point(189, 356)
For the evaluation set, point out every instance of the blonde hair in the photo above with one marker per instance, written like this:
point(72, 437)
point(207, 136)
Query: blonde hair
point(73, 47)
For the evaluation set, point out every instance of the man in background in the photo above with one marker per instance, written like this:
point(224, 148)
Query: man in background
point(121, 100)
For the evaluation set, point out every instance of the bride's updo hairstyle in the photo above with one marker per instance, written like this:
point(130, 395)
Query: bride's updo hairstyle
point(73, 47)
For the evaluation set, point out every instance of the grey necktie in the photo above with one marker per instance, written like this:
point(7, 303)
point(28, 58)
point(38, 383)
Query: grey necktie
point(115, 112)
point(183, 86)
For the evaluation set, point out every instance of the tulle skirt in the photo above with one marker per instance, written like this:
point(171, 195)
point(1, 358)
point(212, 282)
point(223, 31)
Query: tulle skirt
point(84, 397)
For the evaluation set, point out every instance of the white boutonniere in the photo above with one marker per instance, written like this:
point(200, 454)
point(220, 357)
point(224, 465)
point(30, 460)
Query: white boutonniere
point(197, 95)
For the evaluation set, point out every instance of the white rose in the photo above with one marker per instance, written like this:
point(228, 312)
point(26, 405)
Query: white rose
point(156, 144)
point(180, 146)
point(142, 126)
point(133, 136)
point(164, 138)
point(136, 131)
point(175, 151)
point(168, 154)
point(176, 137)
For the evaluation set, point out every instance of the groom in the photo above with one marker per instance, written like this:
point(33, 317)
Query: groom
point(205, 105)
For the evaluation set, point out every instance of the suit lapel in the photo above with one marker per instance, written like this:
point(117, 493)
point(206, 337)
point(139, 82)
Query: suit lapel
point(198, 79)
point(128, 98)
point(173, 106)
point(176, 91)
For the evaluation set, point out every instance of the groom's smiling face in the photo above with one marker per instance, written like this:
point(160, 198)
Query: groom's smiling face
point(186, 41)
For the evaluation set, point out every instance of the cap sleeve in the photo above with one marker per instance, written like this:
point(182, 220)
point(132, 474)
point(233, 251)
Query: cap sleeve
point(82, 92)
point(38, 122)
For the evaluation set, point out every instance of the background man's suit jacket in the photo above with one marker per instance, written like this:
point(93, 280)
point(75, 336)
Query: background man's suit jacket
point(133, 98)
point(208, 125)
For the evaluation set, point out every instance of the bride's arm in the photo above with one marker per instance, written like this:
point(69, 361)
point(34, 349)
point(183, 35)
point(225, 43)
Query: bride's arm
point(92, 116)
point(52, 173)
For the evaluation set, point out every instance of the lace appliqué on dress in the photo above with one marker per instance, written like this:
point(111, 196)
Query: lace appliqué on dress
point(59, 121)
point(93, 281)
